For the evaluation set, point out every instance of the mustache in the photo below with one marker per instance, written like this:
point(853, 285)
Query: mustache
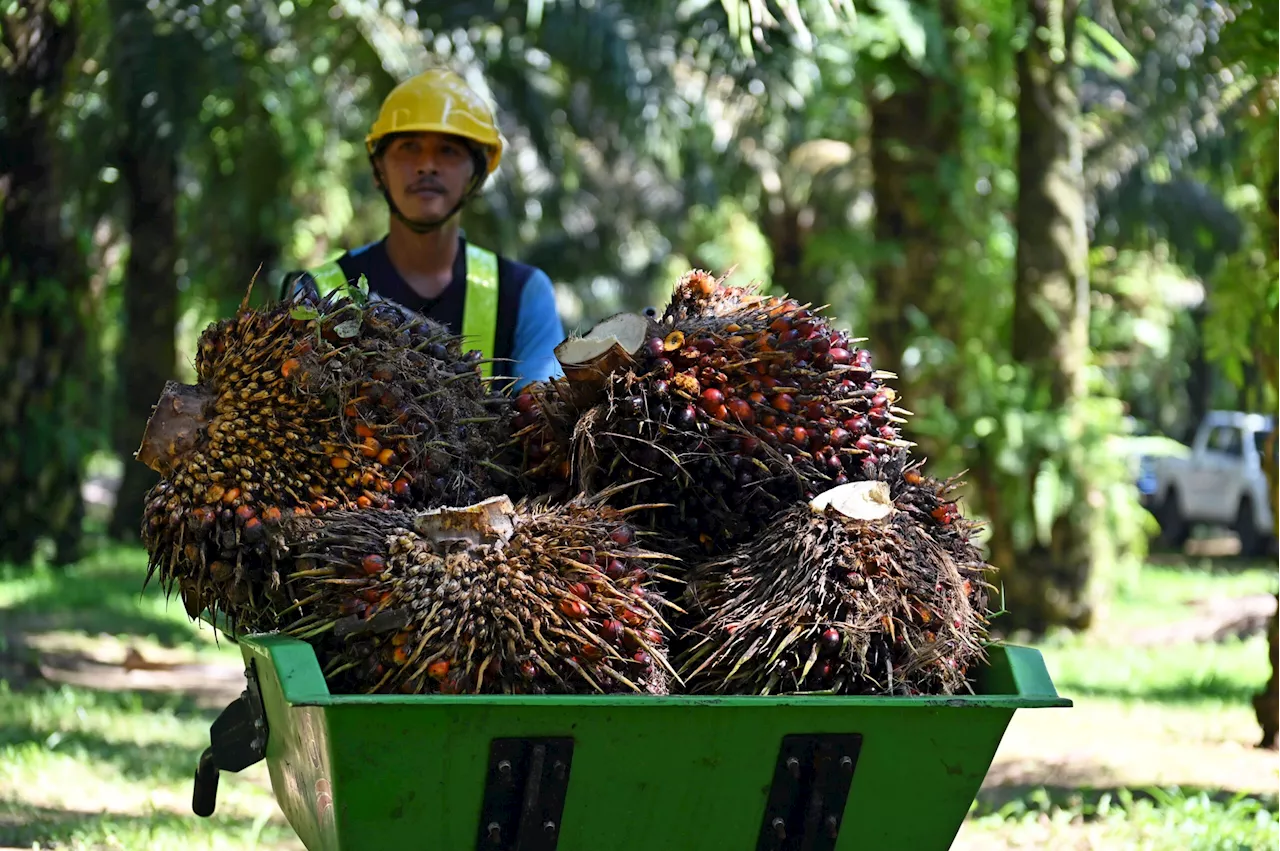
point(426, 183)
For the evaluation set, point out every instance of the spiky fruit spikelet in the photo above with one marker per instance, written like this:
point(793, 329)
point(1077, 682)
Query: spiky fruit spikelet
point(849, 594)
point(302, 408)
point(733, 405)
point(490, 598)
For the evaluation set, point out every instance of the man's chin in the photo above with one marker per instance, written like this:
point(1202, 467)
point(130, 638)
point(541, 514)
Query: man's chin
point(426, 209)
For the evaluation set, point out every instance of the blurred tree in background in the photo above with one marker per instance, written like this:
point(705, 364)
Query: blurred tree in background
point(47, 316)
point(1055, 220)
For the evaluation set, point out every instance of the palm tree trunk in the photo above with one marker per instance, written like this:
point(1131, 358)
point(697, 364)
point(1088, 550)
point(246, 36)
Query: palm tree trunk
point(1047, 583)
point(45, 312)
point(148, 352)
point(1266, 705)
point(915, 137)
point(148, 156)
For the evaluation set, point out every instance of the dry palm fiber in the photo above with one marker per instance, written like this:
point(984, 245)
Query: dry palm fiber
point(733, 406)
point(854, 593)
point(488, 598)
point(302, 408)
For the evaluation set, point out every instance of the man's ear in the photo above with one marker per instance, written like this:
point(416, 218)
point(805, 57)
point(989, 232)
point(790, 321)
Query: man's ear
point(376, 165)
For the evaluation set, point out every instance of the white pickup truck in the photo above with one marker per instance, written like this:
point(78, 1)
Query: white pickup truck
point(1219, 483)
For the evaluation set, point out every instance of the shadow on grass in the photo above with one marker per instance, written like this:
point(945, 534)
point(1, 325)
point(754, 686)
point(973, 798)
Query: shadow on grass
point(163, 761)
point(1212, 564)
point(25, 826)
point(156, 762)
point(1208, 688)
point(101, 594)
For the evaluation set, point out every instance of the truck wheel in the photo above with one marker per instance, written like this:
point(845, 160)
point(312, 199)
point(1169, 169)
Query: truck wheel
point(1174, 529)
point(1252, 542)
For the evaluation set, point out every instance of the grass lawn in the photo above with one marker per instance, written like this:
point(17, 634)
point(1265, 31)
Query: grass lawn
point(1156, 754)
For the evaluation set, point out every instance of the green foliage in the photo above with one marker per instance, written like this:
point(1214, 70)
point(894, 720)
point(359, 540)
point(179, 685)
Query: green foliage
point(1032, 464)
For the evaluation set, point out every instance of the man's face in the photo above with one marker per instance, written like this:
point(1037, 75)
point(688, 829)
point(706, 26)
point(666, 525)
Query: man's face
point(426, 174)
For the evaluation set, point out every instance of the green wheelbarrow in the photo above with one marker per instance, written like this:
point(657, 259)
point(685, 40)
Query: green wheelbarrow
point(625, 773)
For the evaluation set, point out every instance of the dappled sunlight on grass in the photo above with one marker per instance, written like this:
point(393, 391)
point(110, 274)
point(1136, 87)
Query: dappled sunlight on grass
point(104, 594)
point(1152, 820)
point(114, 769)
point(1229, 672)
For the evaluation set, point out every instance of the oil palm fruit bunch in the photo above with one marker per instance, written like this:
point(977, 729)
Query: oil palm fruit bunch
point(852, 593)
point(730, 407)
point(487, 598)
point(301, 408)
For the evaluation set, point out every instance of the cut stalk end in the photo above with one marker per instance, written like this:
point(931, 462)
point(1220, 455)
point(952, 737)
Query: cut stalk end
point(865, 501)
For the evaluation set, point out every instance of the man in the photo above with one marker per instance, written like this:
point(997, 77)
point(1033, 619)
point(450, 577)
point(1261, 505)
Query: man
point(432, 147)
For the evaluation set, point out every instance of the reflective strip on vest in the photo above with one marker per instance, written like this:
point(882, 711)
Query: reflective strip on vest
point(480, 311)
point(480, 306)
point(329, 278)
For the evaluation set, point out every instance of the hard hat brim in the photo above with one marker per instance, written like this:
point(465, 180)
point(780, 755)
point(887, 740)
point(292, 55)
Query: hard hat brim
point(492, 145)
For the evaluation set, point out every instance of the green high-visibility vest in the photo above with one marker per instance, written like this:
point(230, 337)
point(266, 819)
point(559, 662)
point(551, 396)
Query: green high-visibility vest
point(480, 306)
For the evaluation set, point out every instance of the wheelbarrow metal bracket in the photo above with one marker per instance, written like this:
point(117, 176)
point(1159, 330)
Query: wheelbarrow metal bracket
point(811, 781)
point(237, 740)
point(524, 794)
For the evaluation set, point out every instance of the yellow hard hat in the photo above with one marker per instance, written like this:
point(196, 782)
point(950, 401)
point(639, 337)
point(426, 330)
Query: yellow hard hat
point(439, 101)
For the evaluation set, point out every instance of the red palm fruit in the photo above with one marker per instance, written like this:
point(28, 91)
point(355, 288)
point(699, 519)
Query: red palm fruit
point(573, 609)
point(629, 616)
point(611, 630)
point(373, 564)
point(252, 531)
